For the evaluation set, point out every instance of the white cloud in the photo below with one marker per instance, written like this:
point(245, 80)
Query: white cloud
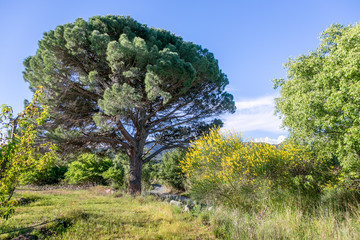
point(254, 115)
point(278, 140)
point(255, 103)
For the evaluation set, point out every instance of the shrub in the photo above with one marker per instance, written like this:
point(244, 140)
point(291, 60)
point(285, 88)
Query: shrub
point(344, 190)
point(149, 173)
point(88, 168)
point(51, 175)
point(170, 172)
point(221, 168)
point(115, 175)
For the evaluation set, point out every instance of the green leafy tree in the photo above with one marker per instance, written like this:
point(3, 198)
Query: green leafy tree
point(112, 82)
point(88, 168)
point(20, 152)
point(320, 99)
point(170, 170)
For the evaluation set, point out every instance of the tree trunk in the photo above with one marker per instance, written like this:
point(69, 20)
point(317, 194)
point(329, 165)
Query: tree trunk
point(135, 175)
point(136, 154)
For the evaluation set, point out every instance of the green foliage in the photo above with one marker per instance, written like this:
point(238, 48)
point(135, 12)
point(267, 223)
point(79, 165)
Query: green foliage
point(7, 207)
point(51, 175)
point(170, 172)
point(149, 173)
point(19, 151)
point(88, 168)
point(116, 175)
point(114, 171)
point(319, 101)
point(343, 190)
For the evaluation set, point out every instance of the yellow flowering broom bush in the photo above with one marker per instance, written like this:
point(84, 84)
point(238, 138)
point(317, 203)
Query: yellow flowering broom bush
point(220, 167)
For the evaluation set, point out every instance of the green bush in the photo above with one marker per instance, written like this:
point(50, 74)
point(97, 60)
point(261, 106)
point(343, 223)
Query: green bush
point(51, 175)
point(88, 168)
point(170, 172)
point(115, 175)
point(149, 173)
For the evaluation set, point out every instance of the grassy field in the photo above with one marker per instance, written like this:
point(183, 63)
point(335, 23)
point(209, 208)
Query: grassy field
point(93, 214)
point(288, 222)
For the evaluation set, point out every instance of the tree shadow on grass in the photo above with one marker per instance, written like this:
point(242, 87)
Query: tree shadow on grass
point(46, 229)
point(26, 200)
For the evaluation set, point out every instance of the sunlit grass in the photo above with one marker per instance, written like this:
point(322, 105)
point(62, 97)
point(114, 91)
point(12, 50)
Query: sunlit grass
point(287, 221)
point(87, 214)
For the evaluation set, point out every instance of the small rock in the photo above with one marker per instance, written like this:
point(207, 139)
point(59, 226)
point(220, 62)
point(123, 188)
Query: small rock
point(109, 191)
point(175, 203)
point(186, 208)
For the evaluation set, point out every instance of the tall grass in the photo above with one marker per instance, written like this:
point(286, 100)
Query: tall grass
point(264, 191)
point(288, 221)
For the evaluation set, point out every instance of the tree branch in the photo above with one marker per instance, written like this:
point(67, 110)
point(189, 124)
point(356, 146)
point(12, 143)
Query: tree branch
point(123, 131)
point(104, 140)
point(147, 159)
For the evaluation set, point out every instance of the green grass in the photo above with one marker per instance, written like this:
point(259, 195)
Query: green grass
point(288, 220)
point(91, 214)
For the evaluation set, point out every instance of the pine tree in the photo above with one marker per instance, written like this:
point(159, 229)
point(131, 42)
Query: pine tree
point(111, 82)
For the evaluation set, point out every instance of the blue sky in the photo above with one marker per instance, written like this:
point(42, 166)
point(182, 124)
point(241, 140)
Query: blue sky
point(251, 40)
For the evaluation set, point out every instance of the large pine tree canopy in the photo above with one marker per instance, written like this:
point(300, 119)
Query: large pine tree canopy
point(112, 82)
